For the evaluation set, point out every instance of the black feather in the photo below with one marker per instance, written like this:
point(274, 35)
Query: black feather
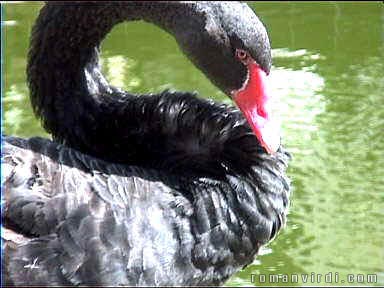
point(164, 189)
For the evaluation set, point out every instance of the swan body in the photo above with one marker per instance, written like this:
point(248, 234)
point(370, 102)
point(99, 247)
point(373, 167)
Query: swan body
point(81, 220)
point(164, 189)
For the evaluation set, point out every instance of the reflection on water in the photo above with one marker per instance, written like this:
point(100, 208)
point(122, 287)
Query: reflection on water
point(118, 70)
point(328, 92)
point(9, 23)
point(298, 100)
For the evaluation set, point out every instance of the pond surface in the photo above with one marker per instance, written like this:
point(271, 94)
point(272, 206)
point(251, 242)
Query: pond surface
point(328, 87)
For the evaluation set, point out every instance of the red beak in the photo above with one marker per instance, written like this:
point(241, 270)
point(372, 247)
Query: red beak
point(253, 101)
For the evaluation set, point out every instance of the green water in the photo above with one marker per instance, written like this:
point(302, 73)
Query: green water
point(329, 93)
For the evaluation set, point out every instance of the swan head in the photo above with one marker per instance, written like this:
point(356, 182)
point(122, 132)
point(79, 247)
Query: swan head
point(230, 45)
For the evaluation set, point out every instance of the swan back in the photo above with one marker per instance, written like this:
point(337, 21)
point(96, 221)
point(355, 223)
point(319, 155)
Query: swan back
point(73, 219)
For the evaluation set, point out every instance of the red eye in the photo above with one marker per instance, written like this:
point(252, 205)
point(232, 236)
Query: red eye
point(241, 54)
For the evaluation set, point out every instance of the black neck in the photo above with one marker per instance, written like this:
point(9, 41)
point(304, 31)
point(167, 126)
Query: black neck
point(80, 108)
point(64, 76)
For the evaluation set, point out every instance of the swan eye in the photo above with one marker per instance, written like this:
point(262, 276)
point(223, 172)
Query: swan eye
point(241, 54)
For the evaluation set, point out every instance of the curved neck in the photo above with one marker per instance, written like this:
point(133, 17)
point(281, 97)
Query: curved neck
point(173, 131)
point(64, 75)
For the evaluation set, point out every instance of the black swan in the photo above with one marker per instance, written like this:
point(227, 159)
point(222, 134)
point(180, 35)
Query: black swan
point(164, 189)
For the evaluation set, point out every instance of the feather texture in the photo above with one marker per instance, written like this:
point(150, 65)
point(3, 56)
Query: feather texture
point(164, 189)
point(77, 219)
